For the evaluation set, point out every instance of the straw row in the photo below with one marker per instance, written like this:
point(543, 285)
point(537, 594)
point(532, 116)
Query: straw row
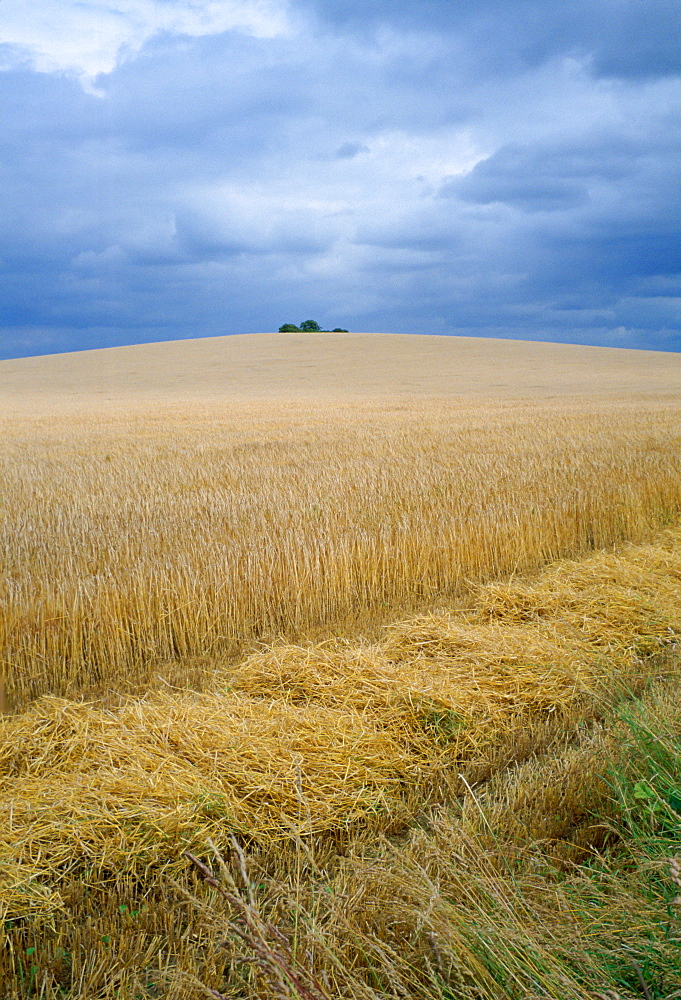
point(311, 741)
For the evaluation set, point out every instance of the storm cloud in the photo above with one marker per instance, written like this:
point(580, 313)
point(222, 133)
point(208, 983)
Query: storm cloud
point(191, 168)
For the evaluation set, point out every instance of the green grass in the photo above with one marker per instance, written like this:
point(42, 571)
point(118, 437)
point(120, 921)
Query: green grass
point(465, 906)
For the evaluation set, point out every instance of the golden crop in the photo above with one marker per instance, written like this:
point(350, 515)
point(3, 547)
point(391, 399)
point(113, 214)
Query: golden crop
point(133, 540)
point(329, 630)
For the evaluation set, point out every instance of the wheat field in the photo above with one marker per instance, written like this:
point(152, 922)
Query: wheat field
point(324, 367)
point(311, 597)
point(133, 541)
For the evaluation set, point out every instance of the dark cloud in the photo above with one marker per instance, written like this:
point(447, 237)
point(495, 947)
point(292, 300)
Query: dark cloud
point(623, 38)
point(499, 180)
point(350, 149)
point(547, 177)
point(501, 168)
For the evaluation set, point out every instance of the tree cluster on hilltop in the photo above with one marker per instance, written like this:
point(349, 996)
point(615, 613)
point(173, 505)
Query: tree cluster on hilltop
point(308, 326)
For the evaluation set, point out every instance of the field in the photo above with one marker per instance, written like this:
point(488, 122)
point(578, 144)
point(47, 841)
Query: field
point(381, 630)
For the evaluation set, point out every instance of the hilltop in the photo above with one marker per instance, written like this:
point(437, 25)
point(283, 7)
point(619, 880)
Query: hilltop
point(267, 365)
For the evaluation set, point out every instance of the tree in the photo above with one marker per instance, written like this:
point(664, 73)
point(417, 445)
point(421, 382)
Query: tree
point(310, 326)
point(289, 328)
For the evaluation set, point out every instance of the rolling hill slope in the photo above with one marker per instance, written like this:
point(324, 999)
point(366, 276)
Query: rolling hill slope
point(263, 365)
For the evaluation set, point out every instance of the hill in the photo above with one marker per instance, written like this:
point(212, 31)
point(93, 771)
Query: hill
point(384, 628)
point(264, 365)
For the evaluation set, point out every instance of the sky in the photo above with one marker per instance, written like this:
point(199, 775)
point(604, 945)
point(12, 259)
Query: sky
point(191, 168)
